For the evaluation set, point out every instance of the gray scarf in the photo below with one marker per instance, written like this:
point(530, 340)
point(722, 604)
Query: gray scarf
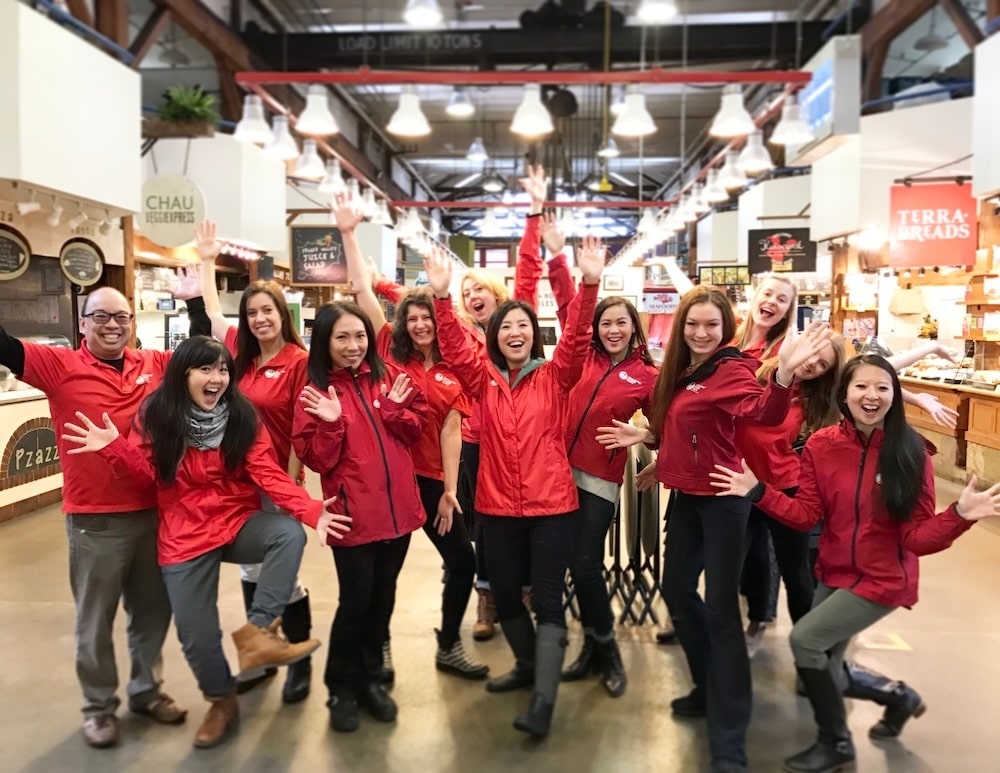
point(207, 428)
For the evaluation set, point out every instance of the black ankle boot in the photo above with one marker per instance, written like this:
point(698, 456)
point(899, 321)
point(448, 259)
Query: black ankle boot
point(833, 748)
point(586, 663)
point(612, 669)
point(550, 648)
point(901, 702)
point(296, 622)
point(343, 706)
point(377, 702)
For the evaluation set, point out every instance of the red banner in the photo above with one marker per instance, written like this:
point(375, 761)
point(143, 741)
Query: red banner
point(933, 225)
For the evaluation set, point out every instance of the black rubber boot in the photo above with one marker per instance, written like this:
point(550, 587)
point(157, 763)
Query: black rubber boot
point(901, 702)
point(833, 749)
point(550, 649)
point(520, 633)
point(246, 685)
point(297, 625)
point(586, 663)
point(612, 669)
point(343, 706)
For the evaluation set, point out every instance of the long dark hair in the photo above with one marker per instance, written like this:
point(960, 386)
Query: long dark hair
point(903, 456)
point(493, 332)
point(247, 345)
point(165, 412)
point(320, 361)
point(638, 339)
point(677, 355)
point(402, 347)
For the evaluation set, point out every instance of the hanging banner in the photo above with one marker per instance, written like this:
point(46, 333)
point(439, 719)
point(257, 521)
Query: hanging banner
point(788, 249)
point(933, 225)
point(317, 256)
point(172, 207)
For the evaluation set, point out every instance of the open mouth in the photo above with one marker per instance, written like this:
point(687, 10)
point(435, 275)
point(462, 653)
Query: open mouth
point(870, 409)
point(766, 313)
point(211, 395)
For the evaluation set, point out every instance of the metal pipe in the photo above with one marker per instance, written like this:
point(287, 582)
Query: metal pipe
point(466, 204)
point(367, 76)
point(57, 14)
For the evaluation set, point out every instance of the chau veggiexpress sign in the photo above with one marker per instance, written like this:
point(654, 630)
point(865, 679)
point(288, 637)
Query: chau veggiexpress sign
point(933, 225)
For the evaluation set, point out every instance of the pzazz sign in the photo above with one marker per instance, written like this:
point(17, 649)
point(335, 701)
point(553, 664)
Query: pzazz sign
point(933, 225)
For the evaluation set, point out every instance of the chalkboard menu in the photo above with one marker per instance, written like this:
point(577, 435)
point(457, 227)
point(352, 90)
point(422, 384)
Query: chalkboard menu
point(82, 262)
point(317, 256)
point(14, 253)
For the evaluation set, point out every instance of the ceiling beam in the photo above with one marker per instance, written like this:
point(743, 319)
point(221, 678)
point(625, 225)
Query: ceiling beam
point(112, 20)
point(81, 11)
point(151, 30)
point(963, 22)
point(209, 31)
point(888, 23)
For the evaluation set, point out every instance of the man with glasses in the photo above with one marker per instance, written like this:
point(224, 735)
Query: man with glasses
point(111, 527)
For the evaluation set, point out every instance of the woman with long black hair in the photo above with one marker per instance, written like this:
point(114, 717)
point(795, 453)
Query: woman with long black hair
point(871, 481)
point(199, 442)
point(355, 424)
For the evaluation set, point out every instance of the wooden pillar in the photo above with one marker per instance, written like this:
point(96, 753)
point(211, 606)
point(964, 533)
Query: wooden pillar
point(112, 20)
point(128, 280)
point(967, 28)
point(992, 9)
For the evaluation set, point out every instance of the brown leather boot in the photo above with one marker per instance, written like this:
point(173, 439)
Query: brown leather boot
point(223, 715)
point(263, 647)
point(486, 616)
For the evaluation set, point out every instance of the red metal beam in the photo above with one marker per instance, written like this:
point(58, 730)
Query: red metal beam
point(367, 76)
point(626, 204)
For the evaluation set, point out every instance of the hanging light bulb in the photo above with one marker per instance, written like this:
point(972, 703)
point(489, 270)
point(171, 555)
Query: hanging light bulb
point(754, 157)
point(309, 166)
point(686, 209)
point(489, 226)
point(698, 202)
point(715, 192)
point(608, 149)
point(732, 120)
point(317, 120)
point(382, 214)
point(792, 129)
point(423, 14)
point(634, 120)
point(460, 106)
point(281, 145)
point(656, 11)
point(409, 120)
point(647, 223)
point(477, 152)
point(253, 126)
point(27, 207)
point(410, 225)
point(55, 214)
point(731, 176)
point(492, 182)
point(368, 207)
point(354, 192)
point(333, 182)
point(532, 119)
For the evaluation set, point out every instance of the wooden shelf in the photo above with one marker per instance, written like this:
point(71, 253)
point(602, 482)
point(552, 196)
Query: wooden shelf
point(974, 336)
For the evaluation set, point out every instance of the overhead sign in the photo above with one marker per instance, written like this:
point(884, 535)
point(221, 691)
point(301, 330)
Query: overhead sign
point(14, 253)
point(317, 256)
point(81, 262)
point(932, 225)
point(660, 303)
point(780, 250)
point(172, 206)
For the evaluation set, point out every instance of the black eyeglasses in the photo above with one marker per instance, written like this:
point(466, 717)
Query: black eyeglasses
point(102, 317)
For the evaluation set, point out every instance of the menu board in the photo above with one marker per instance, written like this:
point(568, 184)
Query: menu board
point(82, 262)
point(317, 256)
point(14, 253)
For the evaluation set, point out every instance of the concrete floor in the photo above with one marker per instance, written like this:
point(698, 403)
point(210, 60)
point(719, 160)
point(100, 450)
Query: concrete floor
point(948, 648)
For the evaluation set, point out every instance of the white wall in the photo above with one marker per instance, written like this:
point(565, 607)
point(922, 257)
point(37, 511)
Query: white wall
point(718, 238)
point(985, 119)
point(761, 204)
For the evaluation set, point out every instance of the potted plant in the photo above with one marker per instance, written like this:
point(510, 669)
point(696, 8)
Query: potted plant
point(185, 112)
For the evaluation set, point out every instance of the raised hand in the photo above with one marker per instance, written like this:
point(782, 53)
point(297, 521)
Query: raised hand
point(188, 282)
point(401, 389)
point(332, 525)
point(89, 437)
point(942, 414)
point(645, 479)
point(205, 241)
point(536, 185)
point(975, 505)
point(325, 407)
point(622, 435)
point(345, 212)
point(446, 509)
point(731, 482)
point(438, 268)
point(798, 350)
point(590, 259)
point(552, 236)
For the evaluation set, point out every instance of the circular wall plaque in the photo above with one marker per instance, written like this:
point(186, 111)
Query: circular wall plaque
point(82, 262)
point(172, 206)
point(14, 253)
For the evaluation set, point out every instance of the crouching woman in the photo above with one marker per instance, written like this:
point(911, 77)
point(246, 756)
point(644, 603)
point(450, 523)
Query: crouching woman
point(198, 441)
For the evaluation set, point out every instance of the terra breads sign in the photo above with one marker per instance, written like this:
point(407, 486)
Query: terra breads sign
point(172, 206)
point(932, 225)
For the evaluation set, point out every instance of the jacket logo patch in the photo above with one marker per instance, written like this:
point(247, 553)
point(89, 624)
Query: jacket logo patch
point(694, 387)
point(443, 379)
point(628, 379)
point(493, 382)
point(376, 403)
point(145, 378)
point(272, 373)
point(878, 478)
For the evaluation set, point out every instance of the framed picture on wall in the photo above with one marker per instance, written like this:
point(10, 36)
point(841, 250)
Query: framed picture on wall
point(546, 300)
point(614, 282)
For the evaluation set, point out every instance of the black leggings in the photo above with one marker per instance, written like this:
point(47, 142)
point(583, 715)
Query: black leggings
point(587, 565)
point(459, 559)
point(468, 473)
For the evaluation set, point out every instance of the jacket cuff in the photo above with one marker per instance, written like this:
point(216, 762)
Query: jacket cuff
point(196, 304)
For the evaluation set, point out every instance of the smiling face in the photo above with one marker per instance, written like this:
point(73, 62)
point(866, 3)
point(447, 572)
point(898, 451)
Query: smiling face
point(703, 331)
point(420, 327)
point(818, 364)
point(348, 342)
point(515, 338)
point(107, 341)
point(479, 300)
point(869, 397)
point(615, 330)
point(771, 303)
point(206, 384)
point(263, 318)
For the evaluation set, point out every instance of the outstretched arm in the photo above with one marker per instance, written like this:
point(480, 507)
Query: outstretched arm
point(357, 270)
point(208, 250)
point(571, 351)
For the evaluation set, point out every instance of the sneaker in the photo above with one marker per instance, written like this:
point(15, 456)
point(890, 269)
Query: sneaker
point(101, 730)
point(690, 705)
point(454, 661)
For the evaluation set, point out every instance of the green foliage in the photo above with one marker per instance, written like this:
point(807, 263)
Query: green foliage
point(188, 104)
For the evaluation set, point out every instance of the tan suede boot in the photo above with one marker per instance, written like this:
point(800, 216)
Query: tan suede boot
point(486, 616)
point(263, 647)
point(223, 715)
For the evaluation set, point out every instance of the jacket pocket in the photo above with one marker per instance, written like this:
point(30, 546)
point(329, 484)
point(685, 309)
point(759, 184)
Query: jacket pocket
point(342, 499)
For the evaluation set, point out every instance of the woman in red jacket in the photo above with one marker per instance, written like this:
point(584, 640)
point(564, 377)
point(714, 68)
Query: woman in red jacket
point(202, 446)
point(355, 424)
point(704, 385)
point(526, 493)
point(871, 481)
